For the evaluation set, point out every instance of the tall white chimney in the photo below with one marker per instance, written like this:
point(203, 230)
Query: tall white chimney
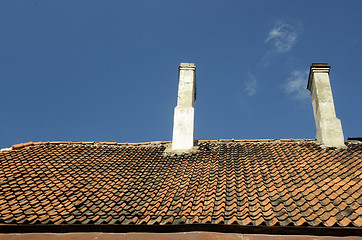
point(183, 124)
point(329, 128)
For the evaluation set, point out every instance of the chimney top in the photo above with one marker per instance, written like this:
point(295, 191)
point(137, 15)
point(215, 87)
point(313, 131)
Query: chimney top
point(321, 66)
point(187, 65)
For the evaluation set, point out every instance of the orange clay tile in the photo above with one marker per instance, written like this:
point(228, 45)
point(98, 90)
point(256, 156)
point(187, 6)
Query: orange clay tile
point(247, 182)
point(20, 145)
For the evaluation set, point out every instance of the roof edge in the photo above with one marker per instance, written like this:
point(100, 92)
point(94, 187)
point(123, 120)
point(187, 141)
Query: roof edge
point(223, 228)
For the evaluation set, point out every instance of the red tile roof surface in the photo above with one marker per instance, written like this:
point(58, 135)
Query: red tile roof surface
point(245, 182)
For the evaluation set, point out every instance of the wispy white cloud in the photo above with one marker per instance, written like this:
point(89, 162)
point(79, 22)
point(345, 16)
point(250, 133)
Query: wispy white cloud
point(282, 37)
point(250, 85)
point(295, 85)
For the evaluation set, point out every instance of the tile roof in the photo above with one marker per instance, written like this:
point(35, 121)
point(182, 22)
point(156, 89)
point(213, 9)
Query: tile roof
point(244, 182)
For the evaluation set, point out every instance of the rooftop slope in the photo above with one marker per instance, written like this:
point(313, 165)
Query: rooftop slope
point(256, 183)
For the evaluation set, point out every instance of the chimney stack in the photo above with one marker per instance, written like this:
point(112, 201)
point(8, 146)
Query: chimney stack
point(329, 128)
point(183, 126)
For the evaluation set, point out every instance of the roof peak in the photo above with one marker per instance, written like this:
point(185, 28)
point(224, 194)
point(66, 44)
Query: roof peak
point(28, 144)
point(156, 143)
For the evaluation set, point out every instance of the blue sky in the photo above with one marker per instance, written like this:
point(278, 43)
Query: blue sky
point(108, 70)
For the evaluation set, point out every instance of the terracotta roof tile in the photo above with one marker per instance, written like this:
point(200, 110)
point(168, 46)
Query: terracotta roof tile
point(286, 182)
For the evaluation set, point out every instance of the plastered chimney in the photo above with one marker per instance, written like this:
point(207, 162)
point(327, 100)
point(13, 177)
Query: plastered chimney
point(183, 124)
point(329, 128)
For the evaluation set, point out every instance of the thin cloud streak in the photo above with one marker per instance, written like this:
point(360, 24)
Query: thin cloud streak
point(295, 85)
point(282, 37)
point(251, 85)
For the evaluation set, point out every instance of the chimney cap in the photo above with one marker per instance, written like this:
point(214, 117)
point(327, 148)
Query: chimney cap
point(322, 65)
point(187, 65)
point(314, 66)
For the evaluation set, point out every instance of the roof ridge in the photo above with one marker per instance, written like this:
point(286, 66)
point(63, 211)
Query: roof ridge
point(28, 144)
point(296, 140)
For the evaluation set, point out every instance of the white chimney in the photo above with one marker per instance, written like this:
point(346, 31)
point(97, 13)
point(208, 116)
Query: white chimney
point(183, 124)
point(329, 128)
